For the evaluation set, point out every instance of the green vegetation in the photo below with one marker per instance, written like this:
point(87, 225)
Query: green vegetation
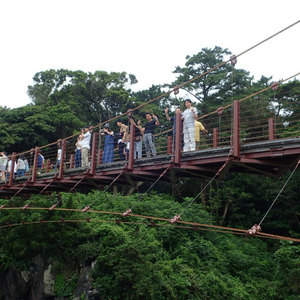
point(134, 259)
point(138, 261)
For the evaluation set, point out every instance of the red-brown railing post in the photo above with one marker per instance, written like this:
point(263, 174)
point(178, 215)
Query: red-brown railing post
point(215, 137)
point(35, 164)
point(236, 128)
point(99, 156)
point(94, 151)
point(271, 129)
point(131, 147)
point(62, 158)
point(48, 165)
point(72, 161)
point(12, 169)
point(178, 136)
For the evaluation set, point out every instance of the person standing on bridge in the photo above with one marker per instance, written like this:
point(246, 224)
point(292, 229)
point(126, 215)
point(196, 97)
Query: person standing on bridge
point(198, 127)
point(3, 164)
point(85, 147)
point(78, 151)
point(173, 119)
point(108, 153)
point(122, 138)
point(189, 117)
point(148, 131)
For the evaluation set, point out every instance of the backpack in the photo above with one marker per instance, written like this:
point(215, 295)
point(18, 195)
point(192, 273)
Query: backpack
point(26, 167)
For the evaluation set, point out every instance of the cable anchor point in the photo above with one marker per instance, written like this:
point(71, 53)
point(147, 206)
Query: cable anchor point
point(254, 230)
point(175, 219)
point(52, 207)
point(25, 206)
point(176, 90)
point(233, 60)
point(127, 213)
point(274, 86)
point(85, 209)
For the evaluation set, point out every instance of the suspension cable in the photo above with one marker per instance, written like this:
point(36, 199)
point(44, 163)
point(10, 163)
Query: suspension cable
point(176, 218)
point(128, 211)
point(279, 193)
point(88, 206)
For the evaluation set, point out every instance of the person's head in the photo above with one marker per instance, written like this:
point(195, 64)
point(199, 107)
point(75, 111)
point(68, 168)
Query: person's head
point(119, 122)
point(187, 103)
point(148, 117)
point(86, 128)
point(177, 110)
point(106, 127)
point(22, 156)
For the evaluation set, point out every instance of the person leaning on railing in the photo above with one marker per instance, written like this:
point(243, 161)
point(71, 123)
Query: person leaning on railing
point(85, 146)
point(148, 131)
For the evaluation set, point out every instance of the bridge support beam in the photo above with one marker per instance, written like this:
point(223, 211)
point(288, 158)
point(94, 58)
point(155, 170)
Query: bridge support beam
point(131, 148)
point(35, 164)
point(178, 138)
point(271, 129)
point(93, 154)
point(12, 169)
point(62, 158)
point(215, 137)
point(236, 128)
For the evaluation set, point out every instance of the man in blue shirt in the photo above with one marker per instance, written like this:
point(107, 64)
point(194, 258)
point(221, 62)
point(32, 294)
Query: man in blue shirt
point(173, 119)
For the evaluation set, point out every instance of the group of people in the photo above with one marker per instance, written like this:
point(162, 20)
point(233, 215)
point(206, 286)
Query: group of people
point(145, 134)
point(191, 128)
point(21, 166)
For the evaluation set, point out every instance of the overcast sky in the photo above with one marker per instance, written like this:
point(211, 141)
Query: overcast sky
point(145, 38)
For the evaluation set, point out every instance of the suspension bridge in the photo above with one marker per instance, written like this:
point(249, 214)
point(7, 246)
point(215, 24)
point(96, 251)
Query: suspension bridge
point(262, 146)
point(242, 138)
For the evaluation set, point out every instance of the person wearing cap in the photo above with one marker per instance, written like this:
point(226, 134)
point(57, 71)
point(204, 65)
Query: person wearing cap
point(108, 153)
point(189, 117)
point(148, 131)
point(85, 147)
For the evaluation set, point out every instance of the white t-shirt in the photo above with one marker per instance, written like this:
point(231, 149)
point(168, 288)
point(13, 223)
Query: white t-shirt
point(85, 143)
point(189, 117)
point(21, 164)
point(9, 166)
point(58, 154)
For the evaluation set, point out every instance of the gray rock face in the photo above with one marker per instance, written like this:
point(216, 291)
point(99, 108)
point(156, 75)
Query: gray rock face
point(38, 282)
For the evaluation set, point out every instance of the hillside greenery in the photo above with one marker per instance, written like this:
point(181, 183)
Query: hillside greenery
point(134, 259)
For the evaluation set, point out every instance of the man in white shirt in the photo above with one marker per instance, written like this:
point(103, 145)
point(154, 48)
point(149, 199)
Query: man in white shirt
point(85, 147)
point(189, 117)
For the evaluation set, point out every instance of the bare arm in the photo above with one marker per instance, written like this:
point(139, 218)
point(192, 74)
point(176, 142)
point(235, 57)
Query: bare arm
point(166, 113)
point(155, 117)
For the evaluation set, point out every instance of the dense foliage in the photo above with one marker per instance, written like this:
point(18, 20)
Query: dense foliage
point(136, 261)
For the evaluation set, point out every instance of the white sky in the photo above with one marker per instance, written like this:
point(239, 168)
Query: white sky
point(145, 38)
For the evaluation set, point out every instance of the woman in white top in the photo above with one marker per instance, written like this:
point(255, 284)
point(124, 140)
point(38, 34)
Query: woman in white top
point(21, 166)
point(78, 151)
